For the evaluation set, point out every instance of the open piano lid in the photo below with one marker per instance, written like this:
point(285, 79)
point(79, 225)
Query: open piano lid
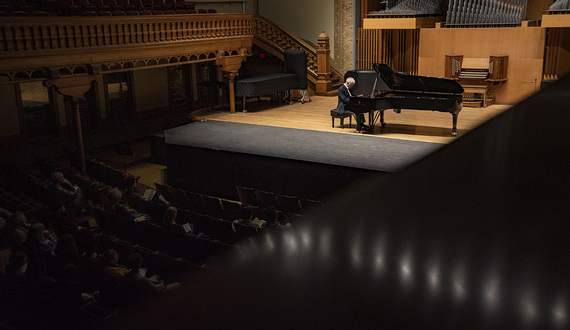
point(398, 81)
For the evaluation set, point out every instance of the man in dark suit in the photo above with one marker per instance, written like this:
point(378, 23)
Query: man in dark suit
point(344, 98)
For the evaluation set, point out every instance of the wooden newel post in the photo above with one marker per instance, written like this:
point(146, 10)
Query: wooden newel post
point(324, 83)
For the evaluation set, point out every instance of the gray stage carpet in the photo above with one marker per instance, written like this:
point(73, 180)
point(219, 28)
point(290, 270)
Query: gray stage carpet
point(357, 151)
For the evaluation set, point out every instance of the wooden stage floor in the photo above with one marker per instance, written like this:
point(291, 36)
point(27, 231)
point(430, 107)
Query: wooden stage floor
point(416, 125)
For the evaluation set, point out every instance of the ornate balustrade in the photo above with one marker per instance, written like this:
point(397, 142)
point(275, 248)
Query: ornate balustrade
point(75, 41)
point(31, 47)
point(277, 39)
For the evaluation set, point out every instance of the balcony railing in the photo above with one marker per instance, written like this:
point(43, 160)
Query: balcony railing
point(28, 43)
point(71, 33)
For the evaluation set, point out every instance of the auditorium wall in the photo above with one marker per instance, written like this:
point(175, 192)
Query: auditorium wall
point(305, 19)
point(151, 89)
point(524, 46)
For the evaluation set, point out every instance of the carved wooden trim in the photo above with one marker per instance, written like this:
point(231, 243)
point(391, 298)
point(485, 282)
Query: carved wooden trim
point(72, 45)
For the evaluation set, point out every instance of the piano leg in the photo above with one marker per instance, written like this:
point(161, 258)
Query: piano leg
point(243, 103)
point(382, 122)
point(454, 130)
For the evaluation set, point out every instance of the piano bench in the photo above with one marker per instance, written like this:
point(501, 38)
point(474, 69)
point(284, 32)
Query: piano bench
point(341, 116)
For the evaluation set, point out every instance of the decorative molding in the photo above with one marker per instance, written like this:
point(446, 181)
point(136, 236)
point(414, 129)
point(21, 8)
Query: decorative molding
point(344, 35)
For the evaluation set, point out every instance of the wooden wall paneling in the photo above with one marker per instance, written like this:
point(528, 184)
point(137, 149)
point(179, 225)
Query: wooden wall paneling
point(563, 57)
point(551, 53)
point(524, 46)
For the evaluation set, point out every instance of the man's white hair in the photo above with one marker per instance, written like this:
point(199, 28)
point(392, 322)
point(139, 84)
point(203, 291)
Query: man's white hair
point(350, 80)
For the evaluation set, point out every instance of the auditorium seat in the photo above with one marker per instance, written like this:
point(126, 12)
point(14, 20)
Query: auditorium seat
point(40, 13)
point(168, 5)
point(247, 196)
point(309, 204)
point(184, 216)
point(202, 224)
point(266, 199)
point(195, 202)
point(232, 210)
point(154, 210)
point(125, 5)
point(100, 5)
point(19, 13)
point(213, 206)
point(164, 191)
point(288, 204)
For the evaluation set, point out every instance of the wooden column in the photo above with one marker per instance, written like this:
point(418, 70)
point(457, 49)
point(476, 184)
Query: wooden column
point(231, 77)
point(230, 66)
point(324, 83)
point(74, 87)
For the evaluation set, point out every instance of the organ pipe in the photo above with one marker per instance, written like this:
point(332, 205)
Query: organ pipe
point(482, 13)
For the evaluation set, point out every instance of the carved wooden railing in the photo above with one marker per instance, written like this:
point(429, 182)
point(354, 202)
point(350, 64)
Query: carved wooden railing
point(276, 39)
point(31, 47)
point(131, 41)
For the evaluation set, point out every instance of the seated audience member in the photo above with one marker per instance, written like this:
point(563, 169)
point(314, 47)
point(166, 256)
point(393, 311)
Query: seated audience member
point(110, 264)
point(20, 227)
point(138, 280)
point(88, 264)
point(169, 220)
point(59, 289)
point(117, 205)
point(132, 191)
point(272, 217)
point(63, 190)
point(56, 215)
point(109, 279)
point(67, 256)
point(41, 239)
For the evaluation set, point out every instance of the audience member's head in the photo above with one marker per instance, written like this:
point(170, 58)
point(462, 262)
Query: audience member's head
point(18, 220)
point(37, 232)
point(134, 262)
point(115, 196)
point(110, 257)
point(270, 214)
point(57, 177)
point(130, 183)
point(170, 215)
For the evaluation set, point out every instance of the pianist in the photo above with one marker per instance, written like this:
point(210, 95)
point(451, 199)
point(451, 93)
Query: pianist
point(344, 98)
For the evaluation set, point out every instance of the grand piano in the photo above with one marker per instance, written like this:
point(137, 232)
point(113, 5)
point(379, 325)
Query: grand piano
point(384, 89)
